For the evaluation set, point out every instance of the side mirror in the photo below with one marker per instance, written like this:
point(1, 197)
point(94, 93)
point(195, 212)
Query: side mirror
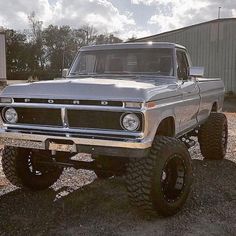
point(65, 73)
point(196, 71)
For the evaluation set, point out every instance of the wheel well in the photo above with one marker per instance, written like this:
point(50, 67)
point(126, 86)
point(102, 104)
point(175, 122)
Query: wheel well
point(214, 107)
point(166, 127)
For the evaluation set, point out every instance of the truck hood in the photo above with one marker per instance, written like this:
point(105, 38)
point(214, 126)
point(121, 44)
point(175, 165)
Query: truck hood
point(124, 89)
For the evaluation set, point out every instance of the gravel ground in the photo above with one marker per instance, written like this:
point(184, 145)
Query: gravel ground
point(80, 204)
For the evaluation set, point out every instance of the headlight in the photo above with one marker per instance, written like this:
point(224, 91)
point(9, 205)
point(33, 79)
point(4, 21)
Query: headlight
point(11, 116)
point(130, 122)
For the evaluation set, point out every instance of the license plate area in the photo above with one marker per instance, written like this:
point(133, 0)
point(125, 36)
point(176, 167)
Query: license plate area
point(61, 145)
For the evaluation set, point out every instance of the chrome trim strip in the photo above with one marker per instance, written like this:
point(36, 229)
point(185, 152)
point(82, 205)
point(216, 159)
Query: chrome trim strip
point(74, 135)
point(19, 140)
point(68, 130)
point(73, 107)
point(64, 117)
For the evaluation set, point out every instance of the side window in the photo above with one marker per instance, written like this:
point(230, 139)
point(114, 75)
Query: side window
point(182, 62)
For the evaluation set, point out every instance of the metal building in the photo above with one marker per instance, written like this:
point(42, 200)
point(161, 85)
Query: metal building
point(211, 44)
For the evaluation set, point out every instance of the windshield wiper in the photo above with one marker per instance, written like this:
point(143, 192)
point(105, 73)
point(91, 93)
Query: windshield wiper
point(148, 75)
point(103, 74)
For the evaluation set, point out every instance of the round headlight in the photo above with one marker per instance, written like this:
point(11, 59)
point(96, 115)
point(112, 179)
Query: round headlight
point(11, 116)
point(130, 122)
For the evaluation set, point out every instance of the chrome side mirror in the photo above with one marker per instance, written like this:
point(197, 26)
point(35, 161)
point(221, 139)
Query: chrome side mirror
point(65, 73)
point(196, 71)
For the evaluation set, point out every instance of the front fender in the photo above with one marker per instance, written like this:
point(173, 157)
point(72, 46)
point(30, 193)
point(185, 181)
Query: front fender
point(155, 116)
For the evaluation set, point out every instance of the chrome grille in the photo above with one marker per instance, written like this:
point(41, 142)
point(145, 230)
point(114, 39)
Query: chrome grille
point(69, 118)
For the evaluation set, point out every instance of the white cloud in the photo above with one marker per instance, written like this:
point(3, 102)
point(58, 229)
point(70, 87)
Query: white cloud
point(102, 14)
point(128, 18)
point(15, 13)
point(172, 14)
point(145, 2)
point(234, 12)
point(137, 32)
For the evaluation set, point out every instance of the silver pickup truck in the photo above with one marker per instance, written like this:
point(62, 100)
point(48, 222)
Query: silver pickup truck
point(134, 107)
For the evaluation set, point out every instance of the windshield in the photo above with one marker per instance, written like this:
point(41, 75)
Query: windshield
point(158, 61)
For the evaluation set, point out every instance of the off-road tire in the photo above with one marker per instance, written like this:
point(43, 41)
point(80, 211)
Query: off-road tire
point(145, 178)
point(16, 169)
point(213, 137)
point(8, 166)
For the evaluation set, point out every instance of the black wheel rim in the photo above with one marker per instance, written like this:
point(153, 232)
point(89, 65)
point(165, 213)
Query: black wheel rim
point(173, 178)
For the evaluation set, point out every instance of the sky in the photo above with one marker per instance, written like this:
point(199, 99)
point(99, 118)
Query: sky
point(125, 18)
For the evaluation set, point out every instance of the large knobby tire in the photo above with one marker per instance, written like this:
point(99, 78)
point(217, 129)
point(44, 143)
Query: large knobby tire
point(19, 168)
point(161, 182)
point(213, 137)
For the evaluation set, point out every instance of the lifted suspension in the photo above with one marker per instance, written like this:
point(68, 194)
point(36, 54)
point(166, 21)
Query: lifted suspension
point(188, 141)
point(106, 164)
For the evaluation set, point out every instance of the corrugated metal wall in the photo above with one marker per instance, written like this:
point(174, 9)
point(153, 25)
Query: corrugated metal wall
point(211, 44)
point(2, 57)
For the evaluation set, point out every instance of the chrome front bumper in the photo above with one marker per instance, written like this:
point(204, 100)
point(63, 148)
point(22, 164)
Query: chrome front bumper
point(74, 145)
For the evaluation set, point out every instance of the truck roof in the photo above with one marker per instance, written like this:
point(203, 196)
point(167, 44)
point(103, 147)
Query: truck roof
point(137, 45)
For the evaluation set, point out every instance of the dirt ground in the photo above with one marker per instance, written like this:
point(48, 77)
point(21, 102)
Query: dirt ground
point(80, 204)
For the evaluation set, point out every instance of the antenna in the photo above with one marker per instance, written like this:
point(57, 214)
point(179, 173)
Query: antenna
point(219, 9)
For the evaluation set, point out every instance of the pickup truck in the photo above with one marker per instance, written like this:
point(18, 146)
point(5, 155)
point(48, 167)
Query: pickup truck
point(135, 107)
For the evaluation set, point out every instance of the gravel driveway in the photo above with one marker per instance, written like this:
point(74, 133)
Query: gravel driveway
point(79, 204)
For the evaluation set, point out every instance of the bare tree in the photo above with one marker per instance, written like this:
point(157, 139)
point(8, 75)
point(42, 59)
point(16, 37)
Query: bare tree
point(36, 40)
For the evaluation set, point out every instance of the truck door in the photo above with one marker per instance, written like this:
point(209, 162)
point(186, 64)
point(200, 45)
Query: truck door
point(190, 93)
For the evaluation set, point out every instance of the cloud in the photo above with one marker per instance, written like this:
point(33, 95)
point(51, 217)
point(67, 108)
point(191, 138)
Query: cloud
point(102, 14)
point(172, 14)
point(145, 2)
point(15, 13)
point(234, 12)
point(126, 18)
point(137, 32)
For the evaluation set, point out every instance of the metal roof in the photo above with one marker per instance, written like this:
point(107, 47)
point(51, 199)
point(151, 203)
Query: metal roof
point(186, 28)
point(137, 45)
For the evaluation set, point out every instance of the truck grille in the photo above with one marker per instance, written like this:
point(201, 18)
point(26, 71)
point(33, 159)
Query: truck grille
point(84, 119)
point(45, 116)
point(94, 119)
point(97, 119)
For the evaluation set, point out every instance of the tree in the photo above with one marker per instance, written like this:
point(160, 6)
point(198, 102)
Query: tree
point(45, 52)
point(16, 51)
point(107, 38)
point(36, 42)
point(89, 34)
point(60, 46)
point(133, 38)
